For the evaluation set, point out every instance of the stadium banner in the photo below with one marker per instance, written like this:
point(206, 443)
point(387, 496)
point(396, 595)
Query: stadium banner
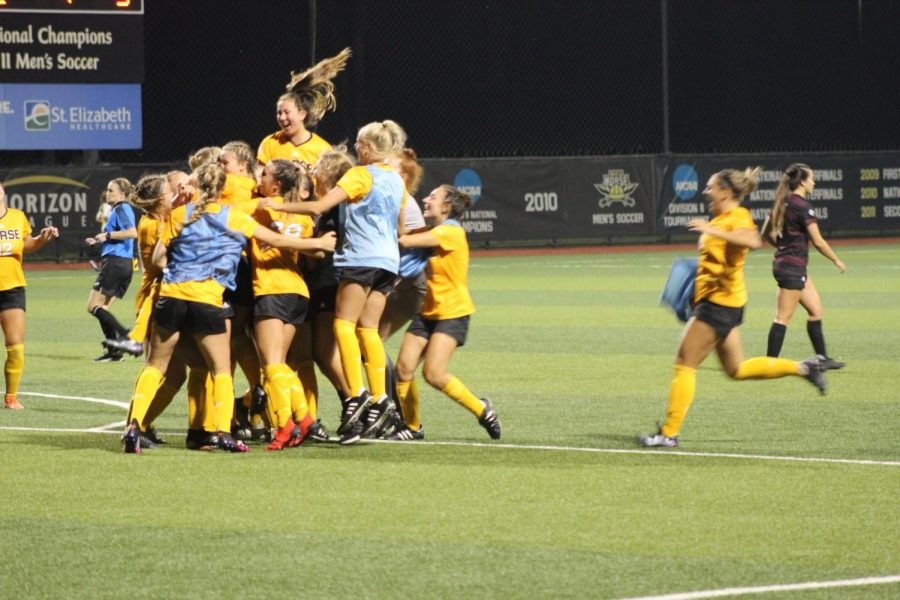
point(853, 193)
point(70, 117)
point(551, 199)
point(65, 197)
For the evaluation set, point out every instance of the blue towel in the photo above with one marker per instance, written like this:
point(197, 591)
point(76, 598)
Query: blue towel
point(679, 290)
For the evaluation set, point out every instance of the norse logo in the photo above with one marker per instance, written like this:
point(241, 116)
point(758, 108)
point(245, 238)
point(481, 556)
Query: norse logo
point(616, 187)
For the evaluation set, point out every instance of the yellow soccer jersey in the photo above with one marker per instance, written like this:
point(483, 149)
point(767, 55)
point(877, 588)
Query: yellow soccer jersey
point(278, 145)
point(275, 270)
point(720, 274)
point(14, 230)
point(147, 233)
point(208, 291)
point(240, 192)
point(448, 296)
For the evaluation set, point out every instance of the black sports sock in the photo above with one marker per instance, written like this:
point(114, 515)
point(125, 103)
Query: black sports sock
point(776, 339)
point(814, 329)
point(112, 329)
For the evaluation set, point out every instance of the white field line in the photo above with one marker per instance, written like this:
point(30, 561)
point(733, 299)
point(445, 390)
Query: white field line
point(544, 448)
point(767, 589)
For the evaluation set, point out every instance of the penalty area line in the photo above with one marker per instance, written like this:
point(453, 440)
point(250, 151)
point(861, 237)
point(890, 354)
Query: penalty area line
point(768, 589)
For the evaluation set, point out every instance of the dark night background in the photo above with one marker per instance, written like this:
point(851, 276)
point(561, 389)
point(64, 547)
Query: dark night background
point(528, 77)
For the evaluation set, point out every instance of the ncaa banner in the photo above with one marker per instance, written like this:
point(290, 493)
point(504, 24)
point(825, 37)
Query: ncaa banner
point(854, 193)
point(545, 200)
point(70, 117)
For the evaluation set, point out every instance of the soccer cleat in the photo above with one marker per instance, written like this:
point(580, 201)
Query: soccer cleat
point(283, 437)
point(829, 364)
point(657, 439)
point(318, 433)
point(352, 435)
point(489, 420)
point(258, 399)
point(125, 344)
point(376, 416)
point(405, 434)
point(241, 430)
point(815, 373)
point(198, 439)
point(229, 444)
point(110, 356)
point(132, 438)
point(352, 409)
point(9, 401)
point(153, 437)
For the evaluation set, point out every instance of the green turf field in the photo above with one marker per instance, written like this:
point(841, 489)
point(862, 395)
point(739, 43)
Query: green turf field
point(772, 485)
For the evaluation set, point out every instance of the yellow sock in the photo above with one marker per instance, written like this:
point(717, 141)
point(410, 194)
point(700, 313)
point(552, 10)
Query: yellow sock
point(15, 363)
point(306, 371)
point(141, 327)
point(145, 388)
point(765, 367)
point(681, 395)
point(375, 363)
point(196, 394)
point(299, 407)
point(160, 402)
point(459, 392)
point(223, 398)
point(210, 419)
point(277, 386)
point(345, 334)
point(408, 394)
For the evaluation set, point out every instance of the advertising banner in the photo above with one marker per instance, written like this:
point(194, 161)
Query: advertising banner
point(551, 198)
point(853, 192)
point(70, 116)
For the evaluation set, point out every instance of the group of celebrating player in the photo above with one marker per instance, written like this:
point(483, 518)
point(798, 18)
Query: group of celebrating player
point(300, 255)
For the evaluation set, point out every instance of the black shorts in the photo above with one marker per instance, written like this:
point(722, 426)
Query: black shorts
point(789, 279)
point(721, 318)
point(114, 276)
point(322, 300)
point(12, 298)
point(457, 328)
point(287, 308)
point(195, 318)
point(378, 280)
point(242, 294)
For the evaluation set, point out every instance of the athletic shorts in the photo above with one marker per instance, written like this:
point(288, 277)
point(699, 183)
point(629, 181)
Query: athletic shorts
point(114, 276)
point(288, 308)
point(323, 300)
point(242, 294)
point(194, 318)
point(378, 280)
point(12, 298)
point(789, 279)
point(721, 318)
point(457, 328)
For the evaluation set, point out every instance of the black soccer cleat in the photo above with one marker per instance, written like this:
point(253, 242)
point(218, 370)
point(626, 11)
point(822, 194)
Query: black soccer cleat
point(489, 420)
point(132, 438)
point(377, 416)
point(198, 439)
point(815, 374)
point(829, 364)
point(352, 409)
point(405, 434)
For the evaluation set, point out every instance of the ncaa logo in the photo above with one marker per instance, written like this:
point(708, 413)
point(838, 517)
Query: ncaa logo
point(685, 182)
point(469, 181)
point(37, 115)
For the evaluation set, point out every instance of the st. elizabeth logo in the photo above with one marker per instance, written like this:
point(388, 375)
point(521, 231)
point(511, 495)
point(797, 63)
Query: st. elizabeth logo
point(37, 115)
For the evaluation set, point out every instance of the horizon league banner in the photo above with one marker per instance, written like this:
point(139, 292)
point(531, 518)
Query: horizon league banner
point(853, 192)
point(550, 198)
point(66, 198)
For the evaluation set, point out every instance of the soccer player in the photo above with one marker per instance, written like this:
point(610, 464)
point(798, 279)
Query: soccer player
point(791, 226)
point(443, 322)
point(719, 299)
point(281, 300)
point(309, 96)
point(200, 247)
point(15, 240)
point(367, 263)
point(117, 267)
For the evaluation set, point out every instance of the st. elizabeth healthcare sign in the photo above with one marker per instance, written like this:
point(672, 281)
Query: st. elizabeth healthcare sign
point(70, 116)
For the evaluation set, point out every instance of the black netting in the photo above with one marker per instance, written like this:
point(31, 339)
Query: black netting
point(527, 77)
